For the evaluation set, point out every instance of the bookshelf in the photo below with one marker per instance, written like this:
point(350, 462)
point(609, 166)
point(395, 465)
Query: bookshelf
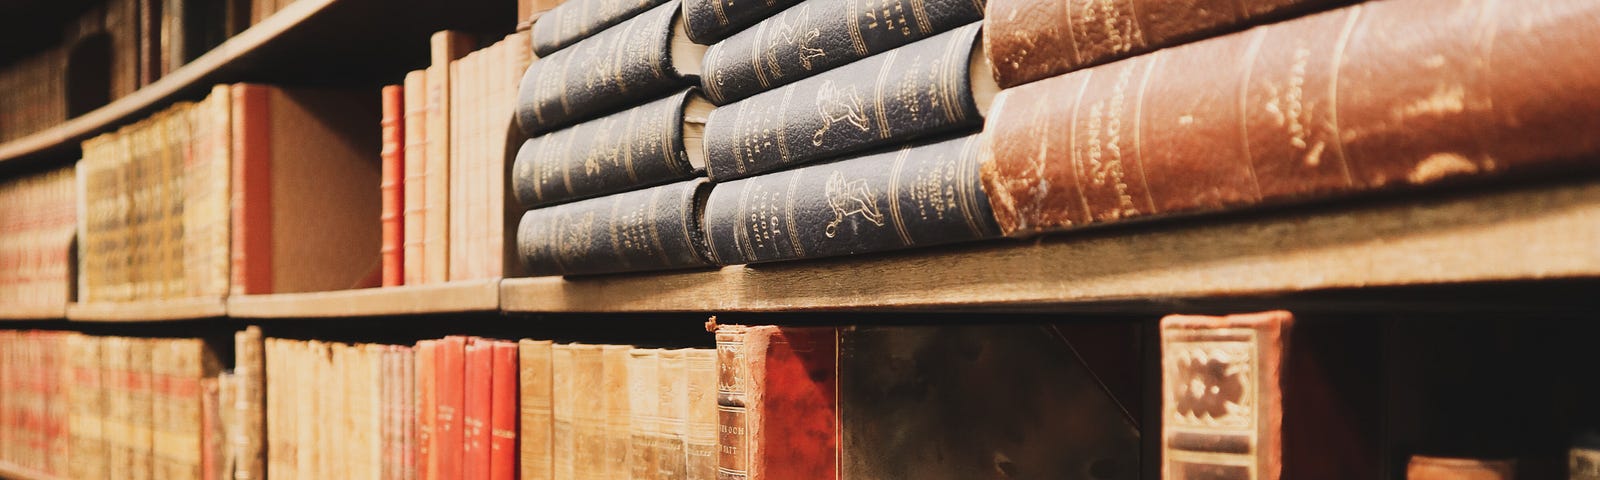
point(148, 311)
point(32, 313)
point(451, 297)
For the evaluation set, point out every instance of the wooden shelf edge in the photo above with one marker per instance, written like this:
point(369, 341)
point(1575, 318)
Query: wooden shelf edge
point(100, 119)
point(1520, 233)
point(32, 312)
point(148, 311)
point(10, 471)
point(452, 297)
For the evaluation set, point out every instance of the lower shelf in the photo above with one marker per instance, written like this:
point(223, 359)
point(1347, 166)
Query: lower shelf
point(13, 312)
point(453, 297)
point(148, 311)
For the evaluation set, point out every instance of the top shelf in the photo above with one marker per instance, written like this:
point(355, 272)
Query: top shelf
point(317, 42)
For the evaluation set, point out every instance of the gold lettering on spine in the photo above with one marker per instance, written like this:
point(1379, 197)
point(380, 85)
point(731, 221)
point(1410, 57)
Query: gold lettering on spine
point(966, 165)
point(1256, 38)
point(919, 9)
point(566, 67)
point(566, 167)
point(627, 146)
point(1333, 87)
point(877, 93)
point(788, 217)
point(713, 73)
point(653, 224)
point(722, 16)
point(855, 31)
point(741, 236)
point(894, 196)
point(685, 217)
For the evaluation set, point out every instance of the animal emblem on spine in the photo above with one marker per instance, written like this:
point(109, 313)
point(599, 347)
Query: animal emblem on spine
point(850, 197)
point(839, 105)
point(787, 32)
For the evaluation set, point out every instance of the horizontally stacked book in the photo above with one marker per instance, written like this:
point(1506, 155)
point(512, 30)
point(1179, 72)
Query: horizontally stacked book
point(38, 217)
point(814, 96)
point(255, 189)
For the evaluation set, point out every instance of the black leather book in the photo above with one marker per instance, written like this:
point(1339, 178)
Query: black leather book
point(938, 85)
point(629, 63)
point(655, 228)
point(917, 195)
point(574, 20)
point(708, 21)
point(650, 144)
point(818, 35)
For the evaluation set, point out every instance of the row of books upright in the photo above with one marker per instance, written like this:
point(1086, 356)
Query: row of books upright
point(37, 224)
point(830, 127)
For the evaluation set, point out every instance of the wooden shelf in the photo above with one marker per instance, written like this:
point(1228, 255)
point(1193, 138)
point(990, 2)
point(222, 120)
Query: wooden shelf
point(1521, 233)
point(148, 311)
point(309, 41)
point(453, 297)
point(12, 312)
point(14, 472)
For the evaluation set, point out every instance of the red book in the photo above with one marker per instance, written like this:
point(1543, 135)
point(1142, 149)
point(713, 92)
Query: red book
point(449, 403)
point(766, 394)
point(393, 154)
point(425, 389)
point(475, 419)
point(252, 191)
point(503, 413)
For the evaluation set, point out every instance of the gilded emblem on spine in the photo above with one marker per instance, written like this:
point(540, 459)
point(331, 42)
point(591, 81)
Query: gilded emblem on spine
point(1210, 384)
point(850, 197)
point(839, 105)
point(787, 32)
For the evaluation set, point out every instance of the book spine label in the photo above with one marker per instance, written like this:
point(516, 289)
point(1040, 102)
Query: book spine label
point(918, 90)
point(475, 434)
point(708, 21)
point(1031, 40)
point(627, 63)
point(252, 191)
point(1315, 107)
point(816, 36)
point(1222, 396)
point(503, 412)
point(652, 229)
point(575, 20)
point(536, 460)
point(392, 187)
point(640, 146)
point(918, 195)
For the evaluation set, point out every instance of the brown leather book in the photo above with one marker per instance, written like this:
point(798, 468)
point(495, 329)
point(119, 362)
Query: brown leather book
point(1321, 106)
point(1222, 396)
point(1442, 468)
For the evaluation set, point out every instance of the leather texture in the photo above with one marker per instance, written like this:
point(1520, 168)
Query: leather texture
point(819, 35)
point(637, 147)
point(1222, 395)
point(918, 90)
point(708, 21)
point(621, 66)
point(651, 229)
point(1030, 40)
point(1378, 96)
point(917, 195)
point(574, 20)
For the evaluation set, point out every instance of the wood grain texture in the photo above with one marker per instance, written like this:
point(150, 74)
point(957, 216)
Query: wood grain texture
point(1522, 233)
point(148, 311)
point(451, 297)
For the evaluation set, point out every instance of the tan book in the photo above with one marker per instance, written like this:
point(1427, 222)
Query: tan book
point(644, 413)
point(141, 409)
point(248, 443)
point(615, 403)
point(205, 197)
point(701, 386)
point(281, 412)
point(571, 373)
point(536, 418)
point(87, 399)
point(416, 154)
point(447, 46)
point(672, 403)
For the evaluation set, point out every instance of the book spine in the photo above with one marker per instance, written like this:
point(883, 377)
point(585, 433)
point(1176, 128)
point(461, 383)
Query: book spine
point(627, 63)
point(536, 420)
point(141, 393)
point(644, 413)
point(640, 146)
point(415, 151)
point(1317, 107)
point(767, 402)
point(589, 395)
point(814, 37)
point(1031, 40)
point(408, 414)
point(701, 441)
point(651, 229)
point(918, 195)
point(503, 412)
point(252, 191)
point(427, 409)
point(249, 368)
point(447, 46)
point(914, 91)
point(671, 399)
point(392, 187)
point(707, 21)
point(475, 416)
point(615, 403)
point(575, 20)
point(564, 410)
point(1237, 433)
point(449, 402)
point(211, 444)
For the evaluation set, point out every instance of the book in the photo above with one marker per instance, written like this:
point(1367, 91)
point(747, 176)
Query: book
point(392, 185)
point(816, 36)
point(1179, 132)
point(1423, 467)
point(630, 62)
point(1034, 40)
point(415, 151)
point(938, 85)
point(700, 444)
point(1222, 395)
point(565, 387)
point(248, 444)
point(447, 46)
point(1583, 459)
point(654, 143)
point(644, 414)
point(918, 195)
point(670, 394)
point(427, 409)
point(477, 401)
point(865, 402)
point(651, 229)
point(37, 223)
point(449, 403)
point(141, 409)
point(707, 21)
point(87, 395)
point(535, 417)
point(504, 411)
point(574, 20)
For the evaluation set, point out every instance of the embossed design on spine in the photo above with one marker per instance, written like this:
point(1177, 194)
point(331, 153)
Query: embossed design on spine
point(649, 229)
point(641, 146)
point(1222, 407)
point(849, 198)
point(571, 21)
point(733, 376)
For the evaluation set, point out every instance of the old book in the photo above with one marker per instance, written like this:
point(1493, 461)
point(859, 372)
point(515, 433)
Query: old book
point(177, 368)
point(707, 21)
point(477, 402)
point(460, 140)
point(1321, 106)
point(644, 413)
point(249, 444)
point(565, 395)
point(427, 387)
point(447, 46)
point(211, 441)
point(207, 183)
point(934, 86)
point(149, 28)
point(816, 36)
point(408, 414)
point(280, 411)
point(121, 25)
point(392, 185)
point(647, 145)
point(824, 403)
point(535, 420)
point(291, 235)
point(1032, 40)
point(504, 212)
point(700, 444)
point(222, 462)
point(87, 398)
point(657, 228)
point(1222, 395)
point(630, 62)
point(615, 402)
point(575, 20)
point(450, 406)
point(415, 151)
point(587, 392)
point(1443, 468)
point(503, 411)
point(141, 409)
point(671, 399)
point(918, 195)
